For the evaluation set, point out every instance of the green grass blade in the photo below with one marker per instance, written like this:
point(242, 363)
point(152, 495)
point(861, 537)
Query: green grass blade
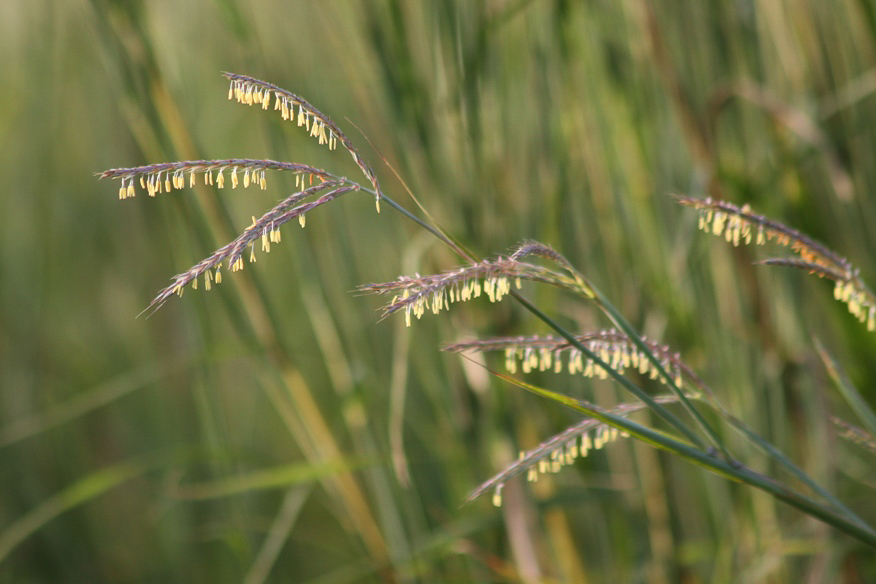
point(270, 478)
point(858, 404)
point(79, 493)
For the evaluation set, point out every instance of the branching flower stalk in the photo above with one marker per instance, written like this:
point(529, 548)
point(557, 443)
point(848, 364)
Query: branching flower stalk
point(412, 294)
point(607, 354)
point(618, 320)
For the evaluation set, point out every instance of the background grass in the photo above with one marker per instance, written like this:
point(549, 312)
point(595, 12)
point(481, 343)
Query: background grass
point(273, 430)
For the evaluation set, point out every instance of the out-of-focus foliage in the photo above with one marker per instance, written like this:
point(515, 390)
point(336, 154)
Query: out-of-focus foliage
point(274, 429)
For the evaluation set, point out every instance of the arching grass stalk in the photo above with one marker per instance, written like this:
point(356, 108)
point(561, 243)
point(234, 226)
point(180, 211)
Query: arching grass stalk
point(730, 470)
point(777, 455)
point(619, 321)
point(602, 302)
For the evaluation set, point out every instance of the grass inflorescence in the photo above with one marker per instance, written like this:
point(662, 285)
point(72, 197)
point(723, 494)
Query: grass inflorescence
point(167, 176)
point(606, 354)
point(562, 450)
point(740, 225)
point(546, 353)
point(250, 91)
point(164, 177)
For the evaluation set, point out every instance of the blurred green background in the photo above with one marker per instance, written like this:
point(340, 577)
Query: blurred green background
point(274, 430)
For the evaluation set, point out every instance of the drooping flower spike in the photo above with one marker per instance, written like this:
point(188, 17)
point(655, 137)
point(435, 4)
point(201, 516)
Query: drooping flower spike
point(740, 225)
point(562, 450)
point(250, 91)
point(266, 229)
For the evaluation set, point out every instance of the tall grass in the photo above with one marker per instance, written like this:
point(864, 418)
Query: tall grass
point(275, 428)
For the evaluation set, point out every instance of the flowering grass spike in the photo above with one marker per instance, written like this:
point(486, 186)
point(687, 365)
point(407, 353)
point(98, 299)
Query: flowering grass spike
point(561, 450)
point(167, 176)
point(547, 353)
point(739, 225)
point(492, 277)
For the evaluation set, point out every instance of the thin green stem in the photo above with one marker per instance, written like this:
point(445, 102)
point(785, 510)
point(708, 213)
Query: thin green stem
point(658, 409)
point(434, 231)
point(730, 470)
point(783, 460)
point(631, 333)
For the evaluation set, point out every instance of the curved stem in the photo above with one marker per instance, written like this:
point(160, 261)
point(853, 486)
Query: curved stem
point(631, 333)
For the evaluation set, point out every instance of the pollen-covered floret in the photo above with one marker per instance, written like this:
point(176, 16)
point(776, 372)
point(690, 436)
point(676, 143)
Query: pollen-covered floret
point(250, 91)
point(548, 353)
